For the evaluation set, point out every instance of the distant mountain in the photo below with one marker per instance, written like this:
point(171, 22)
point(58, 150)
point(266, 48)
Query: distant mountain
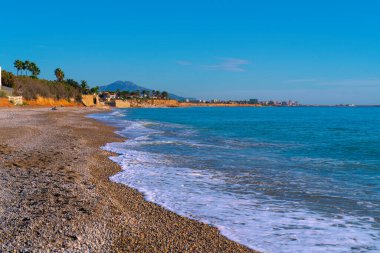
point(130, 86)
point(122, 86)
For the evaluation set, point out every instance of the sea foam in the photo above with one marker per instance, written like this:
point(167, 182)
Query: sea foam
point(257, 220)
point(260, 223)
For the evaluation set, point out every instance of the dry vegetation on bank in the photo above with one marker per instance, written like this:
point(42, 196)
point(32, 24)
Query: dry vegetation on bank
point(32, 88)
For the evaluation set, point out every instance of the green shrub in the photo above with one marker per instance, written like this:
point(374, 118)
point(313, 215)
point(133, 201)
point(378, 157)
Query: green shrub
point(7, 78)
point(2, 94)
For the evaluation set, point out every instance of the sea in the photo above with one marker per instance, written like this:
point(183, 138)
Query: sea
point(276, 179)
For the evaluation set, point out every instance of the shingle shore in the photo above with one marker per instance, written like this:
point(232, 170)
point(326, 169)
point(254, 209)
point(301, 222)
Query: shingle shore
point(55, 195)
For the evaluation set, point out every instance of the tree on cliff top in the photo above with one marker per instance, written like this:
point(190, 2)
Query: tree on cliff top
point(7, 78)
point(59, 74)
point(27, 66)
point(165, 94)
point(95, 90)
point(34, 69)
point(84, 87)
point(18, 65)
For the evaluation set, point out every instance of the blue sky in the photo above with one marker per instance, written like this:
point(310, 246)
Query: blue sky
point(311, 51)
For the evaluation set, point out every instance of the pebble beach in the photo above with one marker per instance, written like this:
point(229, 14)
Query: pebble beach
point(56, 196)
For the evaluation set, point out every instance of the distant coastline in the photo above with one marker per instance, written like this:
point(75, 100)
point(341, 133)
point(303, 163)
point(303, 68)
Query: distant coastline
point(25, 90)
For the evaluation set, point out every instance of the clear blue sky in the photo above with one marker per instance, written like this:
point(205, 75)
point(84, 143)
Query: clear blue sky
point(311, 51)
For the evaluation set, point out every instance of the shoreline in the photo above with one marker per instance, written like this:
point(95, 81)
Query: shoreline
point(56, 192)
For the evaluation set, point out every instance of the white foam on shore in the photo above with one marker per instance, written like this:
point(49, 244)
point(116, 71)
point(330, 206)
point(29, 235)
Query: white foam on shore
point(254, 220)
point(259, 223)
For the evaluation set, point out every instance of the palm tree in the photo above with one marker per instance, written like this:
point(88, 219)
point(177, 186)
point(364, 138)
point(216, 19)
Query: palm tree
point(95, 90)
point(23, 67)
point(34, 69)
point(36, 72)
point(84, 86)
point(59, 74)
point(26, 66)
point(18, 65)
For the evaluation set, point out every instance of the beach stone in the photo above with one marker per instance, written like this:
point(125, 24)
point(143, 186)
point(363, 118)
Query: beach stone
point(56, 196)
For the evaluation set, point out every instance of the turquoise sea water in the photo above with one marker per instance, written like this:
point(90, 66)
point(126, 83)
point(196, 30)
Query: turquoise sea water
point(274, 179)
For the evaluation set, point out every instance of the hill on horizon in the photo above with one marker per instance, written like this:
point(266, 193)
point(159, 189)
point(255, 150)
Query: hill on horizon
point(131, 86)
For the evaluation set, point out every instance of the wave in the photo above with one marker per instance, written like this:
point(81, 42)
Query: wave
point(259, 220)
point(260, 223)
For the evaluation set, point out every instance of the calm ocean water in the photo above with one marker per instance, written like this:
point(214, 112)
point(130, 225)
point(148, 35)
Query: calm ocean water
point(274, 179)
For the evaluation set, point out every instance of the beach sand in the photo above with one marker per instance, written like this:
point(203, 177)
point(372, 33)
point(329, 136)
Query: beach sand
point(55, 195)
